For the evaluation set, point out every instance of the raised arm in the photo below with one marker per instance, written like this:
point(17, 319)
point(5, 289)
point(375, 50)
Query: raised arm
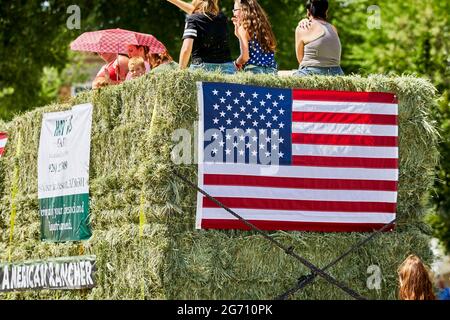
point(242, 35)
point(304, 26)
point(186, 7)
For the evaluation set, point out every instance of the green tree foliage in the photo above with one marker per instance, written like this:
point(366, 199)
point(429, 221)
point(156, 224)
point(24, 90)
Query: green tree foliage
point(33, 35)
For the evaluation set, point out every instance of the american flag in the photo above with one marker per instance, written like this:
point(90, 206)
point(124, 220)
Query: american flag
point(3, 139)
point(288, 159)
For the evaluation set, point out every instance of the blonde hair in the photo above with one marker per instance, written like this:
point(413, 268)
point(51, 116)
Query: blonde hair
point(256, 22)
point(206, 7)
point(100, 82)
point(136, 62)
point(415, 281)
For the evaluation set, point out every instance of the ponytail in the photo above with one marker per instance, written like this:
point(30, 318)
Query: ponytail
point(206, 6)
point(317, 8)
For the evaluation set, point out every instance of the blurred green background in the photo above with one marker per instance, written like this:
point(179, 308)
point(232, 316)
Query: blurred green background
point(378, 36)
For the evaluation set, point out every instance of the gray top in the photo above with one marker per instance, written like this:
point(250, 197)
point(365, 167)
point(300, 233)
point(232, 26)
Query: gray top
point(324, 51)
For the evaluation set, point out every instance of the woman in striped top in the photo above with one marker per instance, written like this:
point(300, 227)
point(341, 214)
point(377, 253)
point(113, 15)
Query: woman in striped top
point(205, 37)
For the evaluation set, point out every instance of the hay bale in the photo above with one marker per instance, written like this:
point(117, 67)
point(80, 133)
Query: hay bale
point(131, 154)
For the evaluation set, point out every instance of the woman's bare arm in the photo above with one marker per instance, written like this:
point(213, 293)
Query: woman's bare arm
point(299, 44)
point(186, 51)
point(243, 37)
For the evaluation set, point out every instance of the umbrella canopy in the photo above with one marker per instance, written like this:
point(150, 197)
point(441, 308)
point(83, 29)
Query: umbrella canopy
point(115, 41)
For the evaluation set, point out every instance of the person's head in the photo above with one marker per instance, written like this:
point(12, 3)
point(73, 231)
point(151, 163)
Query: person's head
point(157, 59)
point(317, 9)
point(254, 19)
point(107, 57)
point(136, 67)
point(206, 6)
point(137, 51)
point(100, 82)
point(64, 93)
point(122, 66)
point(415, 281)
point(441, 282)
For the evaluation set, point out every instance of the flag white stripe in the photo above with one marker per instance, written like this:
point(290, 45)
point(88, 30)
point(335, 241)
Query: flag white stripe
point(299, 171)
point(3, 143)
point(345, 107)
point(299, 216)
point(300, 194)
point(344, 151)
point(345, 129)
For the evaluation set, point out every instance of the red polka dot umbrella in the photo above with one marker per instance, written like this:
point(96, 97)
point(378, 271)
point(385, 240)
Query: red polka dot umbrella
point(115, 41)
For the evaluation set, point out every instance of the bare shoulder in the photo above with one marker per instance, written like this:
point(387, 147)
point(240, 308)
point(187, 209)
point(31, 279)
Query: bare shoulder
point(334, 28)
point(123, 59)
point(315, 28)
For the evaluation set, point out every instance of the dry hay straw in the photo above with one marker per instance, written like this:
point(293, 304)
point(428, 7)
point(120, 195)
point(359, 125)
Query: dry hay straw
point(131, 155)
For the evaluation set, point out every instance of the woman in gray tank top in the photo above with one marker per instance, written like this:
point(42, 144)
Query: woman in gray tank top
point(317, 43)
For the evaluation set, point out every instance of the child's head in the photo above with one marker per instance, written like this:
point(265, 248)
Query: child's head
point(415, 282)
point(206, 6)
point(156, 59)
point(136, 67)
point(254, 19)
point(100, 82)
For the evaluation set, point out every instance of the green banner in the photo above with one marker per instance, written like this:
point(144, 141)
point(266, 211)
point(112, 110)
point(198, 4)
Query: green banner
point(65, 218)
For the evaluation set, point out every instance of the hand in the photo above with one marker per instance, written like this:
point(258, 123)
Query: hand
point(236, 26)
point(304, 24)
point(239, 67)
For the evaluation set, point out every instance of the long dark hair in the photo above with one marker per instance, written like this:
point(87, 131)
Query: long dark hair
point(256, 22)
point(318, 8)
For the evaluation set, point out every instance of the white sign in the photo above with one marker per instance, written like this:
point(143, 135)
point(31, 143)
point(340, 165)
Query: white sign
point(62, 273)
point(63, 174)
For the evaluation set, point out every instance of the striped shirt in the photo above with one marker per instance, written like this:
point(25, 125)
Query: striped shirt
point(210, 34)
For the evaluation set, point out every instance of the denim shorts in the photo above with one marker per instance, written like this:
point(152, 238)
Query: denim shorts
point(260, 70)
point(326, 71)
point(227, 68)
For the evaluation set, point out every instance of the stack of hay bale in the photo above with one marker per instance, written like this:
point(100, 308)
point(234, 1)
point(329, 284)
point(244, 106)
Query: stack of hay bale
point(131, 172)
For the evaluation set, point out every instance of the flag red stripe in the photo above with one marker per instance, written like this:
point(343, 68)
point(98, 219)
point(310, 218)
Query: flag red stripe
point(307, 205)
point(3, 135)
point(344, 96)
point(344, 140)
point(298, 183)
point(290, 225)
point(1, 151)
point(344, 162)
point(353, 118)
